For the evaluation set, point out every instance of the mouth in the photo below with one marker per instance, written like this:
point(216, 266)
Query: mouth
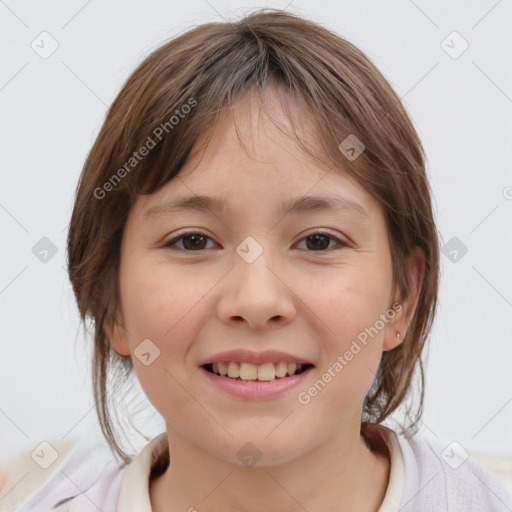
point(267, 372)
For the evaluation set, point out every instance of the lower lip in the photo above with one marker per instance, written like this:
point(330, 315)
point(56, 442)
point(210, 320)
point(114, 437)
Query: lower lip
point(255, 390)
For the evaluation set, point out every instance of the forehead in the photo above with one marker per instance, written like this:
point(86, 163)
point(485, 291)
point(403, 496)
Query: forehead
point(252, 157)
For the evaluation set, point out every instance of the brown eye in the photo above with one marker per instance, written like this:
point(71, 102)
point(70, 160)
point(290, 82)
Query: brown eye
point(315, 242)
point(319, 242)
point(190, 242)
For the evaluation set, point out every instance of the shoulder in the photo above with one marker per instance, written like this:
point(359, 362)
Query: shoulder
point(68, 477)
point(443, 476)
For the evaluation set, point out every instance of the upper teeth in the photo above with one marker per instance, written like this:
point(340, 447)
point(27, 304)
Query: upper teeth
point(249, 371)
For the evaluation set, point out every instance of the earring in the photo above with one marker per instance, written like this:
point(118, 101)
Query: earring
point(398, 335)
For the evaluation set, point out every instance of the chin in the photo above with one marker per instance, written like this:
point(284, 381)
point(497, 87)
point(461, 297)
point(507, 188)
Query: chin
point(257, 448)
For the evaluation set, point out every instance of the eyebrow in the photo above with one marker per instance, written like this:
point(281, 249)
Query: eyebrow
point(291, 205)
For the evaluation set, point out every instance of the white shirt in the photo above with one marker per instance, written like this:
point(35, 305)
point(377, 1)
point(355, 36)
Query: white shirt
point(425, 476)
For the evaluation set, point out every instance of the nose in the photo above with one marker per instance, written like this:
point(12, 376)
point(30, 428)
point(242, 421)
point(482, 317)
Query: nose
point(256, 295)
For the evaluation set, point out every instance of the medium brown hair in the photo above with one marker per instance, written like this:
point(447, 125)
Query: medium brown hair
point(207, 68)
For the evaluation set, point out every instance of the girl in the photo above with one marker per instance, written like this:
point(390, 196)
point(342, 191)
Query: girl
point(253, 237)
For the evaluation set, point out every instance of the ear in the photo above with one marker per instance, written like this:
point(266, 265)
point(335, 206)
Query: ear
point(117, 335)
point(400, 324)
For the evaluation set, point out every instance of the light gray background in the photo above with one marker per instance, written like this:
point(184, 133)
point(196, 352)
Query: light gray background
point(51, 110)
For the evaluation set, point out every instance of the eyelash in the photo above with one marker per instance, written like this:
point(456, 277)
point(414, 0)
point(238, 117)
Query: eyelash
point(171, 244)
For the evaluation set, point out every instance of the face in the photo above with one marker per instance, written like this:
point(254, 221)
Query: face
point(313, 283)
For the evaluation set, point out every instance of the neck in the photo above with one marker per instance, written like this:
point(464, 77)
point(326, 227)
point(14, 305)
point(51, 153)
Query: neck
point(343, 473)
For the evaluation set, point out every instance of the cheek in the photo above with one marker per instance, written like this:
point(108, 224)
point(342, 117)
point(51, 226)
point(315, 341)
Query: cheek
point(351, 307)
point(156, 309)
point(352, 303)
point(154, 302)
point(168, 307)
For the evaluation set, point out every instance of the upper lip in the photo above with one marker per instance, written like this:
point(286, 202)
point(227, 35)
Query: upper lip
point(248, 356)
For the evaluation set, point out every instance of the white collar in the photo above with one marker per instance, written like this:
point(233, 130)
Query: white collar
point(395, 488)
point(134, 495)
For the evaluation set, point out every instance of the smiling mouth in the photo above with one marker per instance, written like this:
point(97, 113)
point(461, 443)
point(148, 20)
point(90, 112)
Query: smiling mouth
point(267, 372)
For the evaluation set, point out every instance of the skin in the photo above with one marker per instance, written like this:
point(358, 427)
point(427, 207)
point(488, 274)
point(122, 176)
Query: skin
point(309, 302)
